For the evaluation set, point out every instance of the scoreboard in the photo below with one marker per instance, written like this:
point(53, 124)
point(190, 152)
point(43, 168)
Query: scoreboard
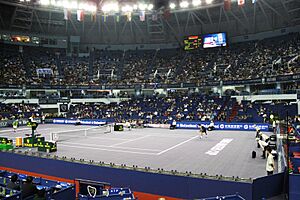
point(211, 40)
point(192, 42)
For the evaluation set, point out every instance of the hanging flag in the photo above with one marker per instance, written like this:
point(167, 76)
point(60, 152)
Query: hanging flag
point(98, 74)
point(94, 17)
point(118, 17)
point(142, 16)
point(80, 15)
point(154, 16)
point(241, 2)
point(67, 14)
point(112, 74)
point(227, 5)
point(129, 16)
point(104, 17)
point(167, 14)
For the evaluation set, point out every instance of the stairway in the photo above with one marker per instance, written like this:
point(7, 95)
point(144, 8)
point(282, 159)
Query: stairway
point(227, 99)
point(234, 112)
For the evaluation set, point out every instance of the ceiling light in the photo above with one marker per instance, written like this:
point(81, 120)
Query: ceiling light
point(184, 4)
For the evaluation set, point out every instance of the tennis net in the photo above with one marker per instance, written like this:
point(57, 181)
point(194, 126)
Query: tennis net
point(81, 133)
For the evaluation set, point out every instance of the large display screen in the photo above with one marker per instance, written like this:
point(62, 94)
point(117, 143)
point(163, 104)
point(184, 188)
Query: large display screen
point(192, 42)
point(214, 40)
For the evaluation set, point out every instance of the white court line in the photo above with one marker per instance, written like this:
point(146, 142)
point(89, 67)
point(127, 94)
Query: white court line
point(219, 147)
point(26, 129)
point(99, 145)
point(11, 136)
point(11, 130)
point(87, 137)
point(164, 136)
point(130, 141)
point(113, 150)
point(177, 145)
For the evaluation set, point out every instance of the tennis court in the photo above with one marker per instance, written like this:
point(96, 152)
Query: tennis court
point(226, 153)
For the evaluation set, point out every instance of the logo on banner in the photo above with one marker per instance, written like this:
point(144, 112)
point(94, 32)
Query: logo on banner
point(246, 127)
point(3, 124)
point(92, 191)
point(221, 126)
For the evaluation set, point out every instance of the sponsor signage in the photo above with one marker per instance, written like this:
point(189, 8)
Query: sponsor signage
point(22, 122)
point(224, 126)
point(82, 121)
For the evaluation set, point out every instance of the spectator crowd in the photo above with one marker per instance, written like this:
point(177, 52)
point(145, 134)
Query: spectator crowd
point(258, 59)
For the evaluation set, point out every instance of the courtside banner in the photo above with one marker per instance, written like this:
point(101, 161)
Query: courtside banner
point(224, 126)
point(82, 121)
point(22, 122)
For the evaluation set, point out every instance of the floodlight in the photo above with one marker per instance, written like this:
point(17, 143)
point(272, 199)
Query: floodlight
point(44, 2)
point(150, 7)
point(209, 1)
point(127, 8)
point(184, 4)
point(142, 6)
point(172, 5)
point(196, 2)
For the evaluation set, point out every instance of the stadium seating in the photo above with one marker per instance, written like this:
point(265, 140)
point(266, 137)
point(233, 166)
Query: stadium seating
point(259, 59)
point(53, 189)
point(10, 111)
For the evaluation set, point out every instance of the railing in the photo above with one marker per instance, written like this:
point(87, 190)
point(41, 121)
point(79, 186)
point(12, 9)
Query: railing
point(275, 79)
point(280, 136)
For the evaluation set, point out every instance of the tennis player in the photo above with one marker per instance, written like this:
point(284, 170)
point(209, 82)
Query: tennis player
point(202, 131)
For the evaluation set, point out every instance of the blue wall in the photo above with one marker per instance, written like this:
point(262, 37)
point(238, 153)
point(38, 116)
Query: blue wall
point(268, 186)
point(165, 185)
point(294, 186)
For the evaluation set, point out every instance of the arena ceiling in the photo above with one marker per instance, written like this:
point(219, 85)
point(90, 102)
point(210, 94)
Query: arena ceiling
point(171, 25)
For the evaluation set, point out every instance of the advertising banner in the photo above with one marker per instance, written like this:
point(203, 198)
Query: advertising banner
point(81, 121)
point(223, 126)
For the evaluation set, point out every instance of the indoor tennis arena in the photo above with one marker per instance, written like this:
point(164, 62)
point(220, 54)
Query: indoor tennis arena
point(149, 99)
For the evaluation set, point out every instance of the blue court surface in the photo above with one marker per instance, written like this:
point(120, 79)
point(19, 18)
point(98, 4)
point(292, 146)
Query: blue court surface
point(226, 153)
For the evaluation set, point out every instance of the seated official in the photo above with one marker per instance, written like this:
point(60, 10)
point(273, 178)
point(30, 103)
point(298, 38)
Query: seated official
point(13, 184)
point(173, 125)
point(28, 188)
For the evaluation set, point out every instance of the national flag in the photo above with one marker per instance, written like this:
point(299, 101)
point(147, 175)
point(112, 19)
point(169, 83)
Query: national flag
point(154, 16)
point(67, 14)
point(241, 2)
point(142, 16)
point(129, 16)
point(118, 17)
point(227, 5)
point(94, 17)
point(167, 14)
point(80, 15)
point(104, 17)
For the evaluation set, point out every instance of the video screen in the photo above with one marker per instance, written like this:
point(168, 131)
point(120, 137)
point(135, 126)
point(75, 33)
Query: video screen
point(214, 40)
